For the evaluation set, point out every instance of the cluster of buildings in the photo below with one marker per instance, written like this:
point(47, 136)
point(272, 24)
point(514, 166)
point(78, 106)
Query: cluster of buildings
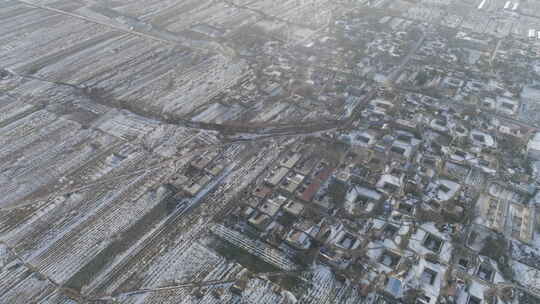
point(427, 195)
point(298, 151)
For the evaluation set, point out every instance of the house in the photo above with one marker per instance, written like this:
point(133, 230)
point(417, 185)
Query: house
point(298, 239)
point(276, 175)
point(361, 199)
point(293, 207)
point(260, 221)
point(482, 139)
point(533, 147)
point(290, 160)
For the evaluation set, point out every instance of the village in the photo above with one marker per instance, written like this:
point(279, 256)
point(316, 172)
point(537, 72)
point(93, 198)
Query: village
point(305, 151)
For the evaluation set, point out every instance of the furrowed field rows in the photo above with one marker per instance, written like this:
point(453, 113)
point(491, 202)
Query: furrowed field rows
point(218, 199)
point(9, 19)
point(216, 14)
point(101, 62)
point(36, 142)
point(21, 52)
point(223, 271)
point(170, 15)
point(16, 110)
point(30, 290)
point(48, 66)
point(17, 281)
point(32, 126)
point(18, 183)
point(37, 229)
point(12, 276)
point(60, 165)
point(157, 243)
point(44, 151)
point(64, 258)
point(56, 297)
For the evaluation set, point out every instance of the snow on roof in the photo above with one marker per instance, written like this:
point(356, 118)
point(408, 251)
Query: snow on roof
point(362, 138)
point(534, 142)
point(526, 275)
point(299, 239)
point(388, 179)
point(476, 289)
point(443, 189)
point(536, 198)
point(532, 93)
point(482, 138)
point(401, 147)
point(366, 192)
point(416, 242)
point(394, 287)
point(431, 289)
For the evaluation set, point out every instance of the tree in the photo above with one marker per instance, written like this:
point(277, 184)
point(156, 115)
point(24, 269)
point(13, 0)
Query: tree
point(411, 295)
point(337, 191)
point(497, 248)
point(421, 78)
